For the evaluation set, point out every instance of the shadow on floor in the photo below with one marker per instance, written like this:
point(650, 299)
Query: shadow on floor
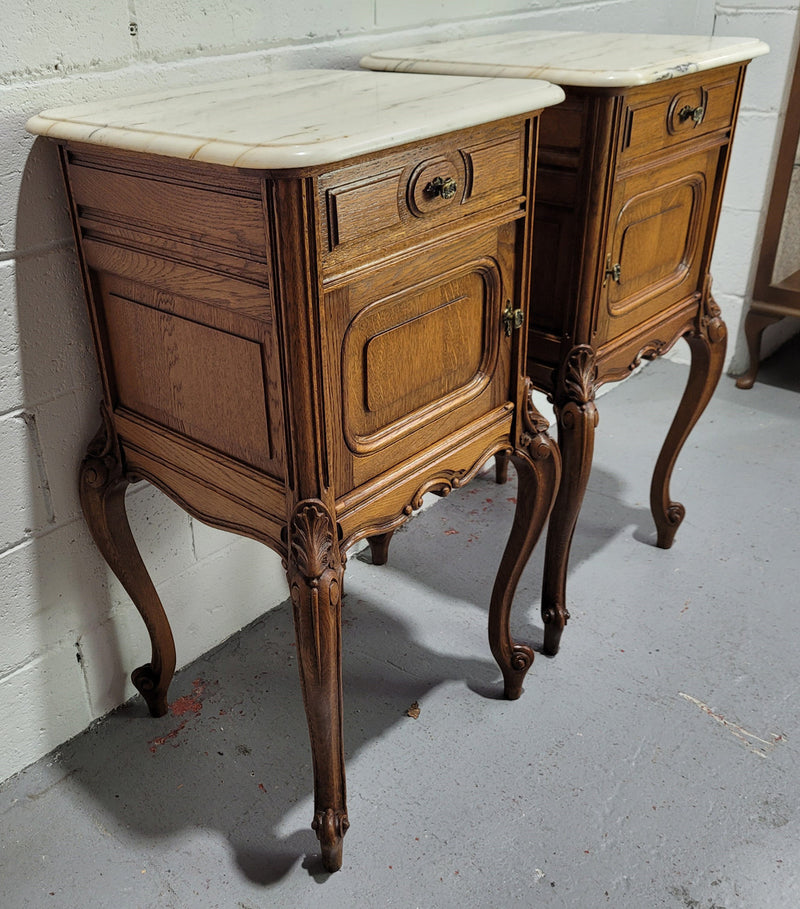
point(780, 369)
point(233, 753)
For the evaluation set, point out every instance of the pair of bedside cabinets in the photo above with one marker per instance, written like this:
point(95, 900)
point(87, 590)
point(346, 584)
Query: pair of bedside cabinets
point(317, 296)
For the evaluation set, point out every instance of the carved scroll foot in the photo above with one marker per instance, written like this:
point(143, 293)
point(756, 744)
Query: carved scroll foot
point(379, 547)
point(577, 420)
point(315, 572)
point(707, 343)
point(754, 325)
point(330, 827)
point(102, 495)
point(538, 467)
point(501, 467)
point(153, 688)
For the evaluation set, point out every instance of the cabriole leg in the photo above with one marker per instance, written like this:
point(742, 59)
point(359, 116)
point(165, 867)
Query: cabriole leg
point(102, 494)
point(754, 325)
point(315, 572)
point(501, 460)
point(707, 343)
point(379, 547)
point(577, 419)
point(538, 467)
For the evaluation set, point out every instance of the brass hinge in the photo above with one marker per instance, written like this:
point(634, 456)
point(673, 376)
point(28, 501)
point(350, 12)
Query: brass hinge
point(612, 271)
point(512, 318)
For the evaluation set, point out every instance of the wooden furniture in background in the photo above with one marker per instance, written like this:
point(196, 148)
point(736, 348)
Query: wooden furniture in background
point(631, 171)
point(775, 296)
point(303, 324)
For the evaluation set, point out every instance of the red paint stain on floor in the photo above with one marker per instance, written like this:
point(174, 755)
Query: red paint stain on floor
point(189, 703)
point(187, 706)
point(163, 739)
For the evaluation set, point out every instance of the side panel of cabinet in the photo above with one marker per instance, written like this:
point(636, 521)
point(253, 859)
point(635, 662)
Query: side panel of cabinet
point(575, 155)
point(179, 277)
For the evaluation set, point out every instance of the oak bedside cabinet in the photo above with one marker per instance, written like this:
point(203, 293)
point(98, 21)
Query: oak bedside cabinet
point(305, 290)
point(631, 172)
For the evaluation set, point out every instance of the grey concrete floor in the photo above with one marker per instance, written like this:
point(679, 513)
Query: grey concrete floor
point(652, 763)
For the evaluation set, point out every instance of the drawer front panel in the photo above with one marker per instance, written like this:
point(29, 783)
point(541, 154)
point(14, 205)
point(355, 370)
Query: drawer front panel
point(685, 109)
point(363, 207)
point(496, 170)
point(396, 196)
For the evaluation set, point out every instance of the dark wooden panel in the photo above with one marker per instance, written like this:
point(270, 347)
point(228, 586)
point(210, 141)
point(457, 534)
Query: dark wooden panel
point(553, 276)
point(561, 128)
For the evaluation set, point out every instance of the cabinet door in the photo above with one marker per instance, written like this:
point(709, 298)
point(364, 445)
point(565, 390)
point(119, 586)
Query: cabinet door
point(658, 223)
point(417, 352)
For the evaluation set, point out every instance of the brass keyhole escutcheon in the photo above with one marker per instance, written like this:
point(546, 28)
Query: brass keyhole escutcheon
point(695, 114)
point(446, 187)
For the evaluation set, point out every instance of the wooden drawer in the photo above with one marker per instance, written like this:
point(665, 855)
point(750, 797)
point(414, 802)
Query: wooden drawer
point(668, 113)
point(393, 197)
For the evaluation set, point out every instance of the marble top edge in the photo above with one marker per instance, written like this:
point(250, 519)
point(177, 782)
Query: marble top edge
point(295, 118)
point(608, 59)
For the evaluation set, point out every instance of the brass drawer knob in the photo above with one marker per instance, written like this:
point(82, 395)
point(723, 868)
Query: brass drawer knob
point(446, 187)
point(692, 113)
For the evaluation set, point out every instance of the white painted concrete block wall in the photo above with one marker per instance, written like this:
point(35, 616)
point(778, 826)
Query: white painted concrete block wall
point(70, 635)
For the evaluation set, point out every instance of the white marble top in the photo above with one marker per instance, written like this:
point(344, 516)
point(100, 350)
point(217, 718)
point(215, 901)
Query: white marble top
point(294, 118)
point(571, 58)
